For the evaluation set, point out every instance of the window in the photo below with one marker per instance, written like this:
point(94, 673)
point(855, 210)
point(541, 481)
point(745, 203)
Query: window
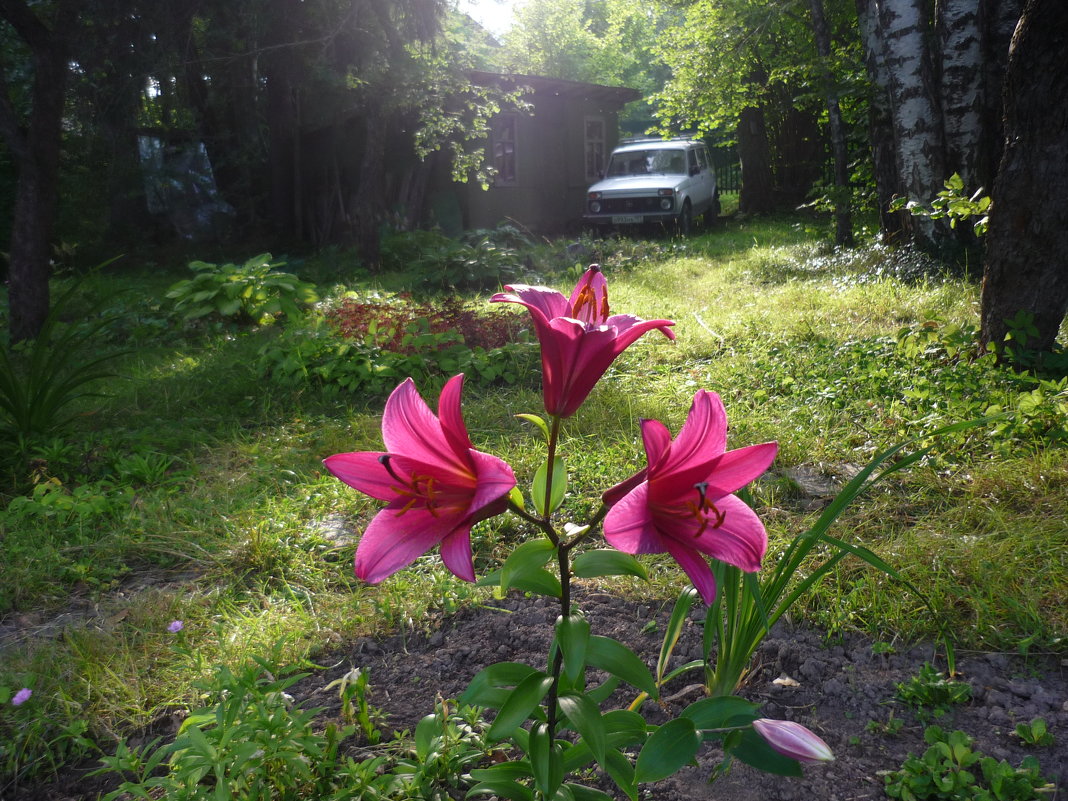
point(503, 142)
point(595, 141)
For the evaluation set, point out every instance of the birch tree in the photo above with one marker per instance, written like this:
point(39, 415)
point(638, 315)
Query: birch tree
point(905, 30)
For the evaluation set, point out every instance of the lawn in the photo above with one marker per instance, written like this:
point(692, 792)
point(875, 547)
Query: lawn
point(194, 490)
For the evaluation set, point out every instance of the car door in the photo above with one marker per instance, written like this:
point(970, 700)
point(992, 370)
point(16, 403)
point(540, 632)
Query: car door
point(704, 179)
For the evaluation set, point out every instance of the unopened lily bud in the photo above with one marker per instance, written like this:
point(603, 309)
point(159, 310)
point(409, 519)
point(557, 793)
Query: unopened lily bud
point(793, 740)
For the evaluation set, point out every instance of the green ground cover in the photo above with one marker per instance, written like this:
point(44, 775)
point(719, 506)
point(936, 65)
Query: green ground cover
point(194, 491)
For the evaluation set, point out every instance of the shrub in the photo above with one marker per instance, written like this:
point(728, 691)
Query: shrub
point(368, 345)
point(253, 292)
point(41, 379)
point(432, 262)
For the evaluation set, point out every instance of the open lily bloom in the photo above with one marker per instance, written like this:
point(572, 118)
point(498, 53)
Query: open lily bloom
point(681, 503)
point(793, 740)
point(579, 337)
point(436, 484)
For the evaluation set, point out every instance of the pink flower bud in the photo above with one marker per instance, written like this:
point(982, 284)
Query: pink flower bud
point(793, 740)
point(175, 626)
point(22, 696)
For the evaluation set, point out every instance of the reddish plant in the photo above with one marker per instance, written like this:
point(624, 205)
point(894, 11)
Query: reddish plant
point(389, 322)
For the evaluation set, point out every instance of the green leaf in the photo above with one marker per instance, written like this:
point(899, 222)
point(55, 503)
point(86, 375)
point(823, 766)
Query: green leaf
point(487, 682)
point(425, 733)
point(573, 634)
point(752, 749)
point(545, 762)
point(674, 629)
point(612, 657)
point(586, 718)
point(527, 559)
point(668, 748)
point(558, 489)
point(504, 771)
point(538, 421)
point(607, 562)
point(618, 767)
point(721, 712)
point(541, 582)
point(520, 703)
point(506, 789)
point(581, 793)
point(515, 495)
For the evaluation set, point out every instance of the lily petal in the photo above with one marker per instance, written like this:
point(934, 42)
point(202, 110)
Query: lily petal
point(494, 480)
point(740, 540)
point(363, 471)
point(589, 299)
point(393, 541)
point(629, 525)
point(541, 299)
point(739, 467)
point(409, 427)
point(456, 553)
point(451, 417)
point(657, 439)
point(695, 566)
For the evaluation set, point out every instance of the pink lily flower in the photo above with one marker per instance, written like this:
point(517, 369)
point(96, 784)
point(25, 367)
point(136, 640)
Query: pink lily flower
point(793, 740)
point(436, 483)
point(682, 504)
point(579, 338)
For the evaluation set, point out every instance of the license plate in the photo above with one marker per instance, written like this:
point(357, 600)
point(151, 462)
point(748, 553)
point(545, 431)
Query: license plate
point(625, 219)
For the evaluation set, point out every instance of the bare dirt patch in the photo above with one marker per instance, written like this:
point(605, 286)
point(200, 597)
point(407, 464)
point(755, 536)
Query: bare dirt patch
point(837, 686)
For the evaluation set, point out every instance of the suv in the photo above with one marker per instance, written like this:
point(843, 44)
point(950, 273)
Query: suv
point(655, 181)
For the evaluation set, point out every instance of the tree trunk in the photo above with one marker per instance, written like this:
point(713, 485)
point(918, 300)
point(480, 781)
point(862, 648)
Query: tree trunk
point(843, 225)
point(917, 123)
point(999, 18)
point(367, 207)
point(756, 195)
point(280, 68)
point(36, 149)
point(880, 119)
point(962, 87)
point(1026, 266)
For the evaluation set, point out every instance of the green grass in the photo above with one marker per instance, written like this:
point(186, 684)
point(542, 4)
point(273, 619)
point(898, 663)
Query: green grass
point(201, 490)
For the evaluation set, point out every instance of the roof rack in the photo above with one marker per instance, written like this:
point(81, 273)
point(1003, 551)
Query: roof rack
point(632, 140)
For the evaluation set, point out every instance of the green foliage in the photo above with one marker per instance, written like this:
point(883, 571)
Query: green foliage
point(41, 379)
point(931, 689)
point(353, 690)
point(1035, 733)
point(429, 261)
point(950, 770)
point(252, 293)
point(952, 204)
point(369, 346)
point(254, 743)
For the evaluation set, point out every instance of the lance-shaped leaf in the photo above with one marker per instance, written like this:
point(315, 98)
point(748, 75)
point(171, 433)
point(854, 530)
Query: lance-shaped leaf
point(668, 748)
point(520, 703)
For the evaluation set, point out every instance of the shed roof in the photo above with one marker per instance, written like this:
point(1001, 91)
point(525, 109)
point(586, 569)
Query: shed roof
point(618, 95)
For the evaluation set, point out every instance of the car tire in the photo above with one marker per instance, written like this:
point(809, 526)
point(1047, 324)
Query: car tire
point(684, 222)
point(711, 215)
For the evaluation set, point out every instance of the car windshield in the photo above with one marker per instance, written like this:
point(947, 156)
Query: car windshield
point(646, 162)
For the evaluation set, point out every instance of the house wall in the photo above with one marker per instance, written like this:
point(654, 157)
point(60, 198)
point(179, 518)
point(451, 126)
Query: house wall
point(550, 187)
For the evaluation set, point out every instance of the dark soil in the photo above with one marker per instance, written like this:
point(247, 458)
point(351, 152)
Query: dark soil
point(833, 686)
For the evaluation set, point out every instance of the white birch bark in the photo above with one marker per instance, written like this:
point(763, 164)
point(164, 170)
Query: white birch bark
point(880, 117)
point(962, 85)
point(917, 119)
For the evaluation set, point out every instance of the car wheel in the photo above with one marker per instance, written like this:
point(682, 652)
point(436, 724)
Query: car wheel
point(711, 215)
point(684, 222)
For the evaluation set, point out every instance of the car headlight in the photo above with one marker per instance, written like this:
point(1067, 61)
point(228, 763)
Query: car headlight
point(666, 203)
point(595, 207)
point(667, 198)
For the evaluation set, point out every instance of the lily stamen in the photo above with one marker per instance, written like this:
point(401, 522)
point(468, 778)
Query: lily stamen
point(704, 503)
